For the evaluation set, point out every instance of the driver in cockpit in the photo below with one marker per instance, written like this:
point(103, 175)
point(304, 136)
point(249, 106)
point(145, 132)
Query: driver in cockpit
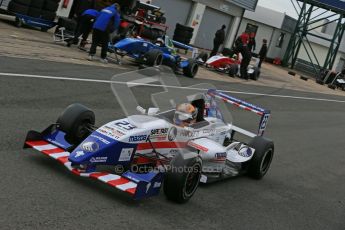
point(185, 115)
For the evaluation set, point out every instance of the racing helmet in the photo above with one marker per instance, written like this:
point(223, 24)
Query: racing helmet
point(185, 113)
point(159, 42)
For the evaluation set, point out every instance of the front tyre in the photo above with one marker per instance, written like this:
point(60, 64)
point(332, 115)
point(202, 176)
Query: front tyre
point(263, 155)
point(153, 57)
point(191, 69)
point(182, 180)
point(75, 122)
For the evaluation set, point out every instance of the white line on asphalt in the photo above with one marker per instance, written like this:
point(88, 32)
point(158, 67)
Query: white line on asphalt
point(167, 86)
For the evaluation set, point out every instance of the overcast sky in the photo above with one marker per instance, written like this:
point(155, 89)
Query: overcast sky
point(279, 5)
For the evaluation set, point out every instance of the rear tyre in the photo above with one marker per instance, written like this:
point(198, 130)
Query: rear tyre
point(263, 155)
point(75, 122)
point(23, 2)
point(37, 3)
point(255, 76)
point(153, 58)
point(51, 5)
point(233, 70)
point(48, 15)
point(18, 8)
point(34, 12)
point(181, 27)
point(192, 69)
point(182, 180)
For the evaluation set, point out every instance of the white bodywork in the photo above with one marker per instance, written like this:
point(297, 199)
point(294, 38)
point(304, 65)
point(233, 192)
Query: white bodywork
point(157, 132)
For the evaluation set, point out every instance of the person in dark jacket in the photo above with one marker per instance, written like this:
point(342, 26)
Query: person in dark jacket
point(79, 7)
point(218, 40)
point(241, 46)
point(107, 22)
point(263, 52)
point(85, 27)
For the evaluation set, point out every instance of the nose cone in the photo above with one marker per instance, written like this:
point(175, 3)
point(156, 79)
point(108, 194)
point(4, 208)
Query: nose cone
point(124, 43)
point(85, 151)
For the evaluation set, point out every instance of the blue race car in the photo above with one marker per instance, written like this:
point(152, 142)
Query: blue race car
point(153, 54)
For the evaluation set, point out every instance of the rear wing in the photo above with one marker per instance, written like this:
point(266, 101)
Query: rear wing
point(263, 113)
point(180, 45)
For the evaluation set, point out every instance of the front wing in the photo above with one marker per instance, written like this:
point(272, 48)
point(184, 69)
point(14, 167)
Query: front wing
point(136, 187)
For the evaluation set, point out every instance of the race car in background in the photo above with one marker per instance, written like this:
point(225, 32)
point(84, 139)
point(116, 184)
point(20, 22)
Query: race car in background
point(149, 146)
point(227, 65)
point(160, 52)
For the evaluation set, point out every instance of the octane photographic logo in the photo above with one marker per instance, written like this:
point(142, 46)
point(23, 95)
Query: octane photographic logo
point(165, 91)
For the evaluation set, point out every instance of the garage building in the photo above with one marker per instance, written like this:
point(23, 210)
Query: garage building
point(206, 17)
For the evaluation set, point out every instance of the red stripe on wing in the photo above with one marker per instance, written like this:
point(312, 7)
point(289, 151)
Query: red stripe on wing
point(118, 181)
point(36, 143)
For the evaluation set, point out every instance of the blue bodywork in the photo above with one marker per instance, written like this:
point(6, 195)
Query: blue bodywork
point(137, 48)
point(35, 22)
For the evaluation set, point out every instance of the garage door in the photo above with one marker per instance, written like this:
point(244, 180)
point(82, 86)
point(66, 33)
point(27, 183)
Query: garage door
point(212, 21)
point(176, 11)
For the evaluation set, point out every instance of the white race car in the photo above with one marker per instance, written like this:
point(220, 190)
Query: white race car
point(152, 150)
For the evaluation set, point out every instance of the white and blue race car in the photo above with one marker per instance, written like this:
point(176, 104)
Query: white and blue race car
point(152, 152)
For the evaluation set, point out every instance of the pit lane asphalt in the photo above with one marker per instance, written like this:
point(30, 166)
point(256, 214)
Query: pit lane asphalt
point(304, 188)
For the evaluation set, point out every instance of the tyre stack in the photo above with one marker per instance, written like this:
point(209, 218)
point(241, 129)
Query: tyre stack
point(45, 9)
point(183, 33)
point(19, 6)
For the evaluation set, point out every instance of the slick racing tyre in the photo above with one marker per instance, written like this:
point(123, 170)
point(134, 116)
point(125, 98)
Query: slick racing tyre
point(263, 155)
point(18, 8)
point(183, 40)
point(256, 74)
point(192, 69)
point(23, 2)
point(48, 15)
point(153, 57)
point(182, 180)
point(75, 122)
point(233, 70)
point(37, 3)
point(51, 5)
point(183, 34)
point(34, 12)
point(180, 27)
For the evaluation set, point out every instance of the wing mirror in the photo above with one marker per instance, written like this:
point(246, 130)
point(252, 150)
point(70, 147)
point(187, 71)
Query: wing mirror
point(150, 112)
